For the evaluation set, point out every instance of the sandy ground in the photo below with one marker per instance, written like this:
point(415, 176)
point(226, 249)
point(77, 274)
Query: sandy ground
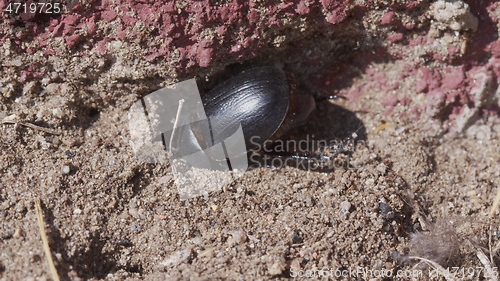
point(111, 217)
point(420, 182)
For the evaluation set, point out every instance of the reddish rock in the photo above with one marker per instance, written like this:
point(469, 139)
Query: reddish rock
point(409, 25)
point(387, 18)
point(91, 26)
point(453, 77)
point(108, 15)
point(453, 50)
point(302, 8)
point(353, 94)
point(336, 11)
point(421, 86)
point(419, 41)
point(205, 56)
point(390, 86)
point(71, 19)
point(221, 30)
point(253, 17)
point(396, 37)
point(204, 33)
point(391, 100)
point(72, 40)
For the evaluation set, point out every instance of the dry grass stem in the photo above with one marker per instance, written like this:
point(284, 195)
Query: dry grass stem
point(46, 248)
point(12, 119)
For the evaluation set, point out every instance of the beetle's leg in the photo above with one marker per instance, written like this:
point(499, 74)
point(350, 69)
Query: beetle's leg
point(323, 158)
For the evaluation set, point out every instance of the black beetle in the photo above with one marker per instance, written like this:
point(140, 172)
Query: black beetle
point(264, 100)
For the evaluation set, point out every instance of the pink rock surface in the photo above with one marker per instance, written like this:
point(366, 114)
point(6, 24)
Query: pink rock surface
point(387, 18)
point(192, 35)
point(171, 28)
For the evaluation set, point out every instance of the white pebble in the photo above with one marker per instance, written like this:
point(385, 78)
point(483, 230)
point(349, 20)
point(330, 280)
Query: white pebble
point(65, 169)
point(345, 206)
point(239, 236)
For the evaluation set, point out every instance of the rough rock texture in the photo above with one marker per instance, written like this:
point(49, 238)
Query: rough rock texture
point(422, 82)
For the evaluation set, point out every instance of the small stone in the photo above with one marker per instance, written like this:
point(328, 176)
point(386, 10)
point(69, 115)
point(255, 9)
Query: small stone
point(133, 212)
point(178, 257)
point(71, 141)
point(239, 236)
point(165, 179)
point(16, 62)
point(196, 241)
point(386, 210)
point(45, 81)
point(296, 239)
point(57, 112)
point(276, 268)
point(30, 87)
point(65, 169)
point(381, 168)
point(18, 233)
point(387, 18)
point(396, 37)
point(345, 206)
point(309, 201)
point(209, 253)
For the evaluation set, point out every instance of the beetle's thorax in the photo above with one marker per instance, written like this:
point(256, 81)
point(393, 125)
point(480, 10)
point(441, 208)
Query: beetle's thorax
point(301, 105)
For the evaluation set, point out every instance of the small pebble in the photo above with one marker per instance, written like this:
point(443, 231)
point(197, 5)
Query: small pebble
point(381, 168)
point(133, 212)
point(65, 169)
point(71, 141)
point(345, 206)
point(276, 268)
point(386, 210)
point(207, 253)
point(165, 179)
point(296, 239)
point(18, 233)
point(196, 240)
point(239, 236)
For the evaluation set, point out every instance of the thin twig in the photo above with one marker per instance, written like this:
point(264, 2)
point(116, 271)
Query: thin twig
point(490, 269)
point(489, 245)
point(495, 203)
point(46, 248)
point(179, 109)
point(12, 120)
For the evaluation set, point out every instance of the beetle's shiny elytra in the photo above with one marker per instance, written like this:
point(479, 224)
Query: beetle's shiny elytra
point(264, 100)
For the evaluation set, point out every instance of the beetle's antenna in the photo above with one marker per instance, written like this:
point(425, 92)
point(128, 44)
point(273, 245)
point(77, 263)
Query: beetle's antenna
point(352, 136)
point(327, 152)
